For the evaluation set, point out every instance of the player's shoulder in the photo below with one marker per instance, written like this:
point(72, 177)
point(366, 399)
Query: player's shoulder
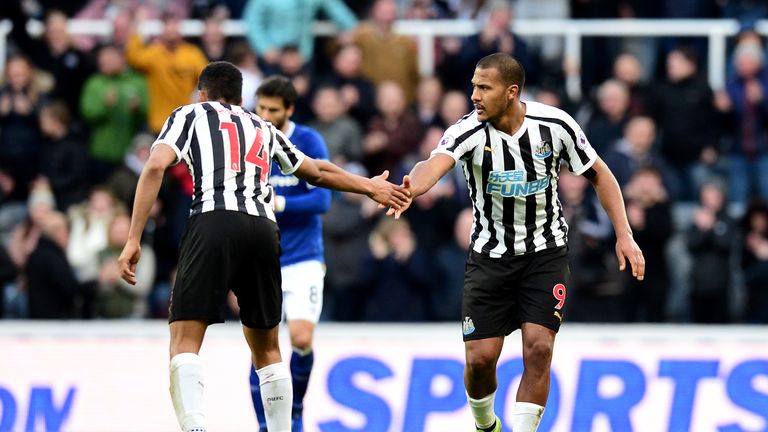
point(306, 135)
point(467, 124)
point(307, 132)
point(540, 111)
point(551, 115)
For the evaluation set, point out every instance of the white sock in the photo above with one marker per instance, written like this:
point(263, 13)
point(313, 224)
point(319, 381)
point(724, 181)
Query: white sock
point(482, 410)
point(277, 396)
point(187, 391)
point(526, 417)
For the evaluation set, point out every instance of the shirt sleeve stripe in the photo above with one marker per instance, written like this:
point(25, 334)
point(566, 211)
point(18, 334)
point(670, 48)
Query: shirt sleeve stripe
point(581, 153)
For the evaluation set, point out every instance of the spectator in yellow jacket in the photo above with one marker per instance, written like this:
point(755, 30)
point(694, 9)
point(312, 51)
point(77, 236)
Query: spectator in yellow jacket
point(171, 66)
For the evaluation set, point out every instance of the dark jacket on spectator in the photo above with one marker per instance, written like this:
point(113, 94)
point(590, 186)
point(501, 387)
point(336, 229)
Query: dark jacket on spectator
point(397, 289)
point(711, 253)
point(65, 165)
point(685, 115)
point(52, 285)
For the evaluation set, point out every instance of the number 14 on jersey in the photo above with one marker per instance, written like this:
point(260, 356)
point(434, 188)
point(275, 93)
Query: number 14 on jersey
point(254, 155)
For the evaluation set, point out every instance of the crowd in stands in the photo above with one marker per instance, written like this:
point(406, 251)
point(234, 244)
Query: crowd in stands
point(78, 116)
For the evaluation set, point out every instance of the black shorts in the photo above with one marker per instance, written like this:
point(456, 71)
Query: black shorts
point(502, 293)
point(223, 250)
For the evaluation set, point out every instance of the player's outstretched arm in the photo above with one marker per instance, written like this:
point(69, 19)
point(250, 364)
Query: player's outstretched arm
point(325, 174)
point(146, 193)
point(422, 177)
point(609, 193)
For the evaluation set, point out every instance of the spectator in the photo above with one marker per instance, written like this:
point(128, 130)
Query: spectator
point(66, 162)
point(628, 70)
point(754, 261)
point(386, 55)
point(88, 237)
point(650, 217)
point(428, 96)
point(432, 215)
point(635, 150)
point(342, 134)
point(393, 133)
point(58, 56)
point(357, 92)
point(428, 9)
point(114, 103)
point(453, 107)
point(241, 56)
point(8, 274)
point(117, 298)
point(291, 65)
point(273, 25)
point(346, 227)
point(395, 273)
point(606, 125)
point(445, 297)
point(495, 36)
point(748, 106)
point(597, 52)
point(683, 110)
point(25, 235)
point(171, 66)
point(594, 291)
point(20, 147)
point(53, 289)
point(710, 242)
point(213, 42)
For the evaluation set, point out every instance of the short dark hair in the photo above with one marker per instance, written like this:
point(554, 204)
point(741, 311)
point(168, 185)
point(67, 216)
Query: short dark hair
point(58, 111)
point(688, 53)
point(279, 86)
point(222, 80)
point(509, 68)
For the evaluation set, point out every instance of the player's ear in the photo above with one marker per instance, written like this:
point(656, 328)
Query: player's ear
point(202, 95)
point(513, 91)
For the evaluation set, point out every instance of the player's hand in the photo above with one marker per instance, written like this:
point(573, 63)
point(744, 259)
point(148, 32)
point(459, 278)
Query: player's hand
point(128, 260)
point(388, 194)
point(399, 211)
point(627, 249)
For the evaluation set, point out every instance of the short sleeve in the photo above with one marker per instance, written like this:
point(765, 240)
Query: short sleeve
point(458, 141)
point(287, 156)
point(579, 153)
point(177, 131)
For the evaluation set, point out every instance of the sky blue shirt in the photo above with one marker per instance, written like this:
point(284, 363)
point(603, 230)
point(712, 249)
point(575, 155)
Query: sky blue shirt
point(274, 24)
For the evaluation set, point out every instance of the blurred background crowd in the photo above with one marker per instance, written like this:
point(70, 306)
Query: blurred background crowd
point(78, 116)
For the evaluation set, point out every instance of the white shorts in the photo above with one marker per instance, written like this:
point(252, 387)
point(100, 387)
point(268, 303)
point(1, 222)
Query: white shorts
point(303, 290)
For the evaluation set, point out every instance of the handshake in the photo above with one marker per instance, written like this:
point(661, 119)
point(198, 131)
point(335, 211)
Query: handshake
point(389, 195)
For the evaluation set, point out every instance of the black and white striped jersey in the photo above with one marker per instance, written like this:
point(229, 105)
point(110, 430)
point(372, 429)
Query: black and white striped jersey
point(512, 179)
point(229, 152)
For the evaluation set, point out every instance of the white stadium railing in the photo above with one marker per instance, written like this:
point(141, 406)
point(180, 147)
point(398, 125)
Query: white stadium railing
point(715, 30)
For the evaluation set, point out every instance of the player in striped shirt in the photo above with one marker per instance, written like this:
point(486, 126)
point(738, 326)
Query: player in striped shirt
point(517, 267)
point(231, 240)
point(298, 206)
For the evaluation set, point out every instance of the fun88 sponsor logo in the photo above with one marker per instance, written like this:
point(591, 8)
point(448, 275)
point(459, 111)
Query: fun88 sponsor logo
point(508, 184)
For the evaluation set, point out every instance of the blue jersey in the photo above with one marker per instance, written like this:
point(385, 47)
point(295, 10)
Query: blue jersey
point(301, 230)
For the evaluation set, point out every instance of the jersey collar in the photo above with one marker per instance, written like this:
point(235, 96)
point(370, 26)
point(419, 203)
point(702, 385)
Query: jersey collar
point(291, 128)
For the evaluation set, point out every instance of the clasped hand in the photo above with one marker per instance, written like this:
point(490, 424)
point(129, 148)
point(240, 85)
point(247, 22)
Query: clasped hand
point(388, 194)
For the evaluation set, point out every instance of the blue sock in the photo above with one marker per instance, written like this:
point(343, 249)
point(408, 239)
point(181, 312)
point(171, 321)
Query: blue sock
point(258, 406)
point(301, 367)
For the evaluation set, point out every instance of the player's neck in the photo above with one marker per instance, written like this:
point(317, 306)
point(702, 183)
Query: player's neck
point(512, 120)
point(286, 127)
